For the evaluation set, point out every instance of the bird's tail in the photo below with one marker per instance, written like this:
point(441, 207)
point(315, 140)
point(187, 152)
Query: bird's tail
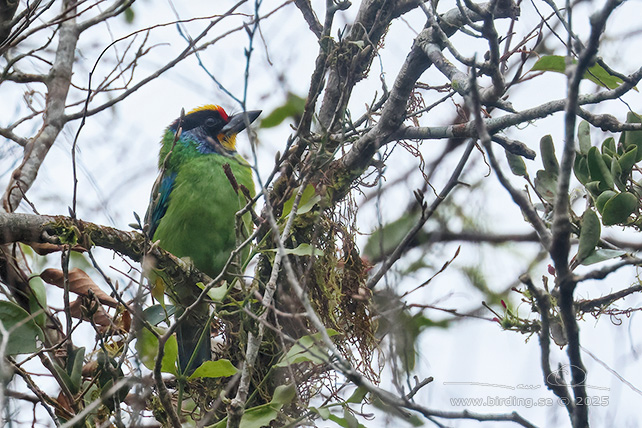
point(193, 337)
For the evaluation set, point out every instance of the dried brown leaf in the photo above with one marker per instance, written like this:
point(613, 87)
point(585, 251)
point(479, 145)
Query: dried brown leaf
point(44, 248)
point(64, 408)
point(100, 316)
point(126, 321)
point(79, 283)
point(90, 369)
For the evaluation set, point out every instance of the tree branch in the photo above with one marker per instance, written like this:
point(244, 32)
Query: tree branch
point(357, 159)
point(561, 228)
point(58, 83)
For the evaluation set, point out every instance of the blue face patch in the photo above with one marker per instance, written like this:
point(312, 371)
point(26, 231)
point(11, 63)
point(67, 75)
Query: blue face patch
point(199, 138)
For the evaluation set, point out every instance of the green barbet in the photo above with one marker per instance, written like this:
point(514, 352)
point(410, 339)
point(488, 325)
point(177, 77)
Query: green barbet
point(192, 213)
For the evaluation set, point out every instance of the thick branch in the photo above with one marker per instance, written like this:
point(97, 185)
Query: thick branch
point(7, 10)
point(459, 131)
point(30, 228)
point(561, 229)
point(58, 83)
point(308, 14)
point(369, 27)
point(345, 170)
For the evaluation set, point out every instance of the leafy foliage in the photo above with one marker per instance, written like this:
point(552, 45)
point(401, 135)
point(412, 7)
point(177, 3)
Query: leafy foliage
point(596, 74)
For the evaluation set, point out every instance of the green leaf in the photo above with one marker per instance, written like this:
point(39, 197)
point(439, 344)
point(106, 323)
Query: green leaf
point(258, 417)
point(156, 314)
point(283, 394)
point(293, 107)
point(628, 159)
point(598, 170)
point(263, 415)
point(618, 209)
point(304, 250)
point(129, 15)
point(358, 395)
point(404, 330)
point(621, 185)
point(75, 374)
point(546, 185)
point(589, 234)
point(323, 412)
point(147, 347)
point(516, 164)
point(307, 349)
point(584, 137)
point(24, 334)
point(307, 205)
point(603, 199)
point(593, 187)
point(554, 63)
point(616, 169)
point(308, 199)
point(347, 421)
point(415, 420)
point(580, 168)
point(351, 419)
point(301, 250)
point(608, 147)
point(63, 375)
point(38, 300)
point(385, 239)
point(217, 294)
point(633, 138)
point(342, 422)
point(390, 410)
point(549, 160)
point(218, 368)
point(220, 424)
point(596, 74)
point(602, 254)
point(616, 173)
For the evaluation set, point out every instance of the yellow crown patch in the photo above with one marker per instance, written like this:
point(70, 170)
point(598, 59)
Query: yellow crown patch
point(211, 107)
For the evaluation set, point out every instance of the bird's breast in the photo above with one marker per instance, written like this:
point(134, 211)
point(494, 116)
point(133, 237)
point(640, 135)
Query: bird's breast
point(201, 213)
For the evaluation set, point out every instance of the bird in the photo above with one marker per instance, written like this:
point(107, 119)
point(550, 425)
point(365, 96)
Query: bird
point(192, 211)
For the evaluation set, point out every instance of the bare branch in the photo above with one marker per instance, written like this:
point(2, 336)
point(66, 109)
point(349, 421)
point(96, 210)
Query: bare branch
point(426, 213)
point(604, 301)
point(561, 228)
point(357, 159)
point(543, 302)
point(308, 14)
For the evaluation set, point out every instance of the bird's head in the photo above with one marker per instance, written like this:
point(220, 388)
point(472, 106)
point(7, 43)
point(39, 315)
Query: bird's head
point(211, 129)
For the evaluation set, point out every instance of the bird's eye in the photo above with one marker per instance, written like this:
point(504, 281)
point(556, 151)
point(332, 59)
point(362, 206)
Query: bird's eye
point(210, 123)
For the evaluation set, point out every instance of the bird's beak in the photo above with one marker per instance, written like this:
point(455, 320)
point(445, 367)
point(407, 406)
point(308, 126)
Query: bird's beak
point(237, 122)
